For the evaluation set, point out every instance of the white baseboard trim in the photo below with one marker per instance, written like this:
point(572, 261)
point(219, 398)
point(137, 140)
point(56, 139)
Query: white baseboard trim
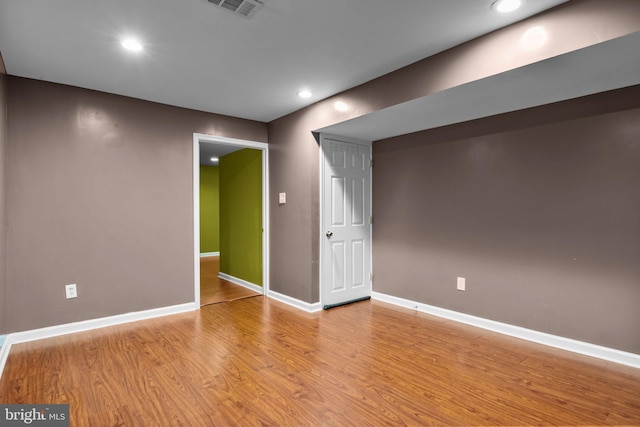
point(207, 254)
point(301, 305)
point(86, 325)
point(580, 347)
point(241, 282)
point(4, 354)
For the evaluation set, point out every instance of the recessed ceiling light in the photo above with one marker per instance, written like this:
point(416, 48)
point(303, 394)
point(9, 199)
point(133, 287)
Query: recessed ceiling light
point(506, 6)
point(214, 160)
point(132, 44)
point(304, 94)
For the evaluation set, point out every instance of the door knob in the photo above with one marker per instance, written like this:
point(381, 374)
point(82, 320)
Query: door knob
point(329, 234)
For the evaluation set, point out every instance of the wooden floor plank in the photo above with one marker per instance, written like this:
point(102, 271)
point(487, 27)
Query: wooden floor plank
point(213, 289)
point(256, 361)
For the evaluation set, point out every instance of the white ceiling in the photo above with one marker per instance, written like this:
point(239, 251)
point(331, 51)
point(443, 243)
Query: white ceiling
point(202, 57)
point(209, 150)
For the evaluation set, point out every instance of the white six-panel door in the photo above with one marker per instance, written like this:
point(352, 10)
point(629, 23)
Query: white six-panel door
point(346, 229)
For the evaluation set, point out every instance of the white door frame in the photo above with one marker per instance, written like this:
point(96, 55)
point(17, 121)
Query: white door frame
point(264, 147)
point(322, 239)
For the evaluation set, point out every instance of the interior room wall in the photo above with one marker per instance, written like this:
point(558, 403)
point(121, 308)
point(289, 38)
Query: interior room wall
point(294, 153)
point(241, 215)
point(81, 239)
point(537, 209)
point(209, 209)
point(100, 194)
point(3, 237)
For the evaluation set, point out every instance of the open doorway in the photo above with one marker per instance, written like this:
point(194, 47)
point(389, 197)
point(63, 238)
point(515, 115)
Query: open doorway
point(243, 259)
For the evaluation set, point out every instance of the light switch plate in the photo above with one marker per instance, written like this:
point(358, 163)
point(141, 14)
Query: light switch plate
point(282, 198)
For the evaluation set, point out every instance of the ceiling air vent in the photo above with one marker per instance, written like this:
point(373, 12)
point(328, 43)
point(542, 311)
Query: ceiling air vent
point(246, 8)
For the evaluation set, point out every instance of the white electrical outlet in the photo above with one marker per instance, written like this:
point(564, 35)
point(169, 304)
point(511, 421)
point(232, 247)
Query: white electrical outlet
point(282, 198)
point(71, 291)
point(461, 283)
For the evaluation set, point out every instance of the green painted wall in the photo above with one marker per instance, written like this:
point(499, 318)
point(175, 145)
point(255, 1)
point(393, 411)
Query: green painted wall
point(241, 215)
point(209, 209)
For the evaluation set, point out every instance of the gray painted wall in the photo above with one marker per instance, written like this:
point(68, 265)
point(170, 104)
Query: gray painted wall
point(3, 144)
point(541, 218)
point(294, 154)
point(85, 213)
point(100, 194)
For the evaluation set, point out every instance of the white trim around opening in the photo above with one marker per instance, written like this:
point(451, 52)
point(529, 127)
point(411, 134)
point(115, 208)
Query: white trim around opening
point(199, 138)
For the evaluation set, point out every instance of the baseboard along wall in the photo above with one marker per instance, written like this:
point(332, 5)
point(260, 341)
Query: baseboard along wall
point(208, 254)
point(293, 302)
point(87, 325)
point(580, 347)
point(241, 282)
point(575, 346)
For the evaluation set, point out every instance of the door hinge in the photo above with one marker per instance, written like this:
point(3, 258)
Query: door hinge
point(371, 219)
point(371, 276)
point(370, 163)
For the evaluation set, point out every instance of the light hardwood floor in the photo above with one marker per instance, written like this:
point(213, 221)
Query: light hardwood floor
point(213, 289)
point(256, 361)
